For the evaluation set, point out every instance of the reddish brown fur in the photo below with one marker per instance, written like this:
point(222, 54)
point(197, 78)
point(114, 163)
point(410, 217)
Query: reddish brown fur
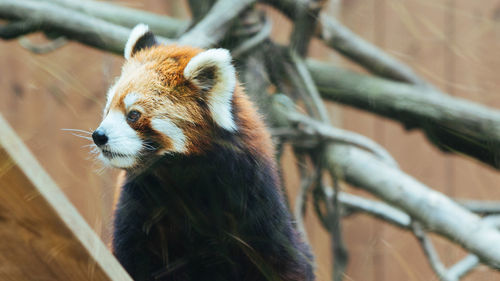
point(157, 74)
point(246, 159)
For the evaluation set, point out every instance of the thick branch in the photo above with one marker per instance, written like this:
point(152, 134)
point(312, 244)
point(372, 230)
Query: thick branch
point(127, 17)
point(85, 29)
point(351, 45)
point(377, 209)
point(366, 54)
point(431, 253)
point(453, 124)
point(483, 207)
point(199, 8)
point(434, 210)
point(214, 26)
point(305, 23)
point(463, 267)
point(18, 28)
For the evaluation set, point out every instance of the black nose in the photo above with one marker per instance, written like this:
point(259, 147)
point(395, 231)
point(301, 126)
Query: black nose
point(99, 137)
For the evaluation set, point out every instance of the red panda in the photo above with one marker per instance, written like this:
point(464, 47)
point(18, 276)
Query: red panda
point(200, 199)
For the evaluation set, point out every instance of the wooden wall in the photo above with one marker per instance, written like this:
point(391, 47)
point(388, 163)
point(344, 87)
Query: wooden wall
point(452, 43)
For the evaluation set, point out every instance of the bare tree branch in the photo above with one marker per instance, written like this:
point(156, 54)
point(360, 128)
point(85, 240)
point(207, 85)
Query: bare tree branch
point(453, 124)
point(74, 25)
point(43, 48)
point(364, 53)
point(328, 211)
point(305, 24)
point(431, 253)
point(351, 45)
point(341, 254)
point(483, 207)
point(431, 208)
point(199, 9)
point(214, 26)
point(307, 83)
point(161, 25)
point(312, 128)
point(434, 210)
point(18, 28)
point(254, 41)
point(463, 267)
point(307, 182)
point(376, 209)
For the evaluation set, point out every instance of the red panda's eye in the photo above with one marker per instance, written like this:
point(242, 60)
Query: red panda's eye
point(133, 116)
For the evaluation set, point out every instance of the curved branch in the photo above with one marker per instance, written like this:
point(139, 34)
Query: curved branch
point(377, 209)
point(73, 25)
point(484, 207)
point(214, 26)
point(434, 210)
point(18, 28)
point(463, 267)
point(314, 128)
point(364, 53)
point(453, 124)
point(349, 44)
point(305, 23)
point(43, 48)
point(127, 17)
point(431, 253)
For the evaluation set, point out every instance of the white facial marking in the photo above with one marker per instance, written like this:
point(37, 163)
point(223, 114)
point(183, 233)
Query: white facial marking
point(109, 97)
point(118, 161)
point(136, 33)
point(123, 142)
point(130, 99)
point(219, 101)
point(169, 129)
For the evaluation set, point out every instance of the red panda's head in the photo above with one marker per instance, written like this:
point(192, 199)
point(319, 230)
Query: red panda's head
point(168, 99)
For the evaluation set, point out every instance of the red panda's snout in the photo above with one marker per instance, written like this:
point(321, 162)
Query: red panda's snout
point(168, 99)
point(120, 145)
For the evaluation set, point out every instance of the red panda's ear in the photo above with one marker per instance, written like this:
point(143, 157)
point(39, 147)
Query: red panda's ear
point(140, 37)
point(212, 72)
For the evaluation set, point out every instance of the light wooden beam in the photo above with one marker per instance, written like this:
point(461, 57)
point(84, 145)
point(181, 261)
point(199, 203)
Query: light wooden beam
point(42, 235)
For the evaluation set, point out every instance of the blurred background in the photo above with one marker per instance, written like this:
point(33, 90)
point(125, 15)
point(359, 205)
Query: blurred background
point(452, 43)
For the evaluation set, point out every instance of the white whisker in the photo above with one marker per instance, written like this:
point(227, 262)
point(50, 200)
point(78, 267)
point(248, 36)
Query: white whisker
point(91, 145)
point(77, 130)
point(81, 136)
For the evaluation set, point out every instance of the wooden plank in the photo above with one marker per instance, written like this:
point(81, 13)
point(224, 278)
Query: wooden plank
point(42, 236)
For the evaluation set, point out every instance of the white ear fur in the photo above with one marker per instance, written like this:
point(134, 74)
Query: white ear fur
point(137, 33)
point(222, 88)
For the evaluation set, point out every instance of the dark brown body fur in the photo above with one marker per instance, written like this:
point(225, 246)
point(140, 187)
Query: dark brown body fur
point(216, 215)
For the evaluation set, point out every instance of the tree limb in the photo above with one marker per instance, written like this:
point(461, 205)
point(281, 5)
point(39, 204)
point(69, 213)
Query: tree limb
point(376, 209)
point(351, 45)
point(161, 25)
point(314, 129)
point(483, 207)
point(214, 26)
point(73, 25)
point(18, 28)
point(453, 124)
point(364, 53)
point(305, 24)
point(463, 267)
point(43, 48)
point(199, 9)
point(431, 253)
point(434, 210)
